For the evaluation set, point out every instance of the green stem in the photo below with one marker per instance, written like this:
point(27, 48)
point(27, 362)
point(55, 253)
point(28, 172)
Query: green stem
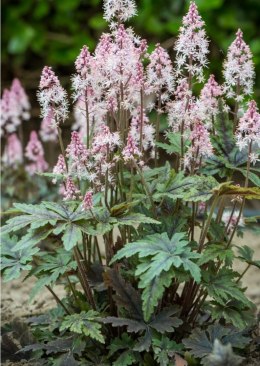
point(244, 272)
point(62, 147)
point(157, 128)
point(207, 223)
point(145, 187)
point(57, 299)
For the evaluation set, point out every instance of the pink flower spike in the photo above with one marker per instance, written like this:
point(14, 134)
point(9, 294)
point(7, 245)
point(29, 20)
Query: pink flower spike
point(48, 78)
point(15, 108)
point(201, 146)
point(83, 61)
point(52, 97)
point(160, 72)
point(131, 151)
point(60, 167)
point(70, 192)
point(21, 98)
point(248, 130)
point(192, 45)
point(88, 201)
point(13, 152)
point(35, 153)
point(239, 69)
point(121, 10)
point(76, 149)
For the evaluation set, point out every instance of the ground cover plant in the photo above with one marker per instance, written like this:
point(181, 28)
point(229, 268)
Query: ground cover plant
point(144, 247)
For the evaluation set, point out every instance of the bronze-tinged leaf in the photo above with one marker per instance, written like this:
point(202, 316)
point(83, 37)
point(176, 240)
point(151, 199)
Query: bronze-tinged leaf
point(227, 189)
point(126, 296)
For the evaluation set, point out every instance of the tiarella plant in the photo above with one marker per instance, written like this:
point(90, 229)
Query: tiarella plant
point(144, 248)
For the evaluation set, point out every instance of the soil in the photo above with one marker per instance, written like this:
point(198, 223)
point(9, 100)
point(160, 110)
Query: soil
point(15, 296)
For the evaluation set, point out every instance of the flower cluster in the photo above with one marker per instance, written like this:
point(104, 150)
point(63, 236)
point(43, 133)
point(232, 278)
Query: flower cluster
point(200, 146)
point(248, 131)
point(131, 151)
point(88, 201)
point(35, 154)
point(207, 104)
point(147, 140)
point(192, 45)
point(160, 73)
point(13, 152)
point(120, 10)
point(239, 69)
point(70, 191)
point(52, 98)
point(15, 107)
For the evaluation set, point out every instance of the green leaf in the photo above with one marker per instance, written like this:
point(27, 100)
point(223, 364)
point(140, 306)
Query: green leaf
point(135, 219)
point(162, 255)
point(32, 238)
point(246, 255)
point(231, 314)
point(174, 145)
point(84, 323)
point(214, 252)
point(192, 188)
point(153, 292)
point(71, 237)
point(252, 177)
point(13, 263)
point(164, 350)
point(222, 288)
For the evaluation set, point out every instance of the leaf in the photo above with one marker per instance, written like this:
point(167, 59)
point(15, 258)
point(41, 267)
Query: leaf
point(231, 314)
point(133, 326)
point(252, 177)
point(120, 343)
point(192, 188)
point(68, 360)
point(246, 255)
point(153, 292)
point(164, 322)
point(201, 341)
point(163, 254)
point(135, 219)
point(32, 238)
point(14, 262)
point(52, 267)
point(126, 358)
point(222, 288)
point(164, 350)
point(72, 235)
point(174, 145)
point(216, 251)
point(126, 296)
point(228, 189)
point(84, 323)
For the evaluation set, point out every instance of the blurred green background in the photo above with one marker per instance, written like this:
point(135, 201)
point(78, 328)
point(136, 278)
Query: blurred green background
point(51, 32)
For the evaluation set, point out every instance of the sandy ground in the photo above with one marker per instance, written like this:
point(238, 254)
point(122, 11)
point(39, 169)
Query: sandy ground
point(15, 294)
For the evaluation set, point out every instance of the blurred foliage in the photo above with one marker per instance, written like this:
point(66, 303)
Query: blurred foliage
point(39, 32)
